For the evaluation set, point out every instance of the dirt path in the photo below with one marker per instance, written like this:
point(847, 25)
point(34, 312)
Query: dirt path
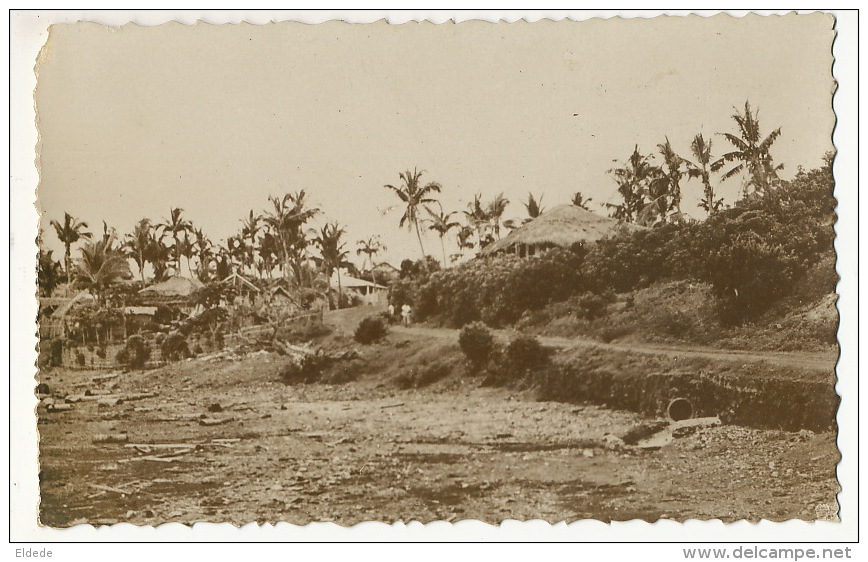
point(813, 361)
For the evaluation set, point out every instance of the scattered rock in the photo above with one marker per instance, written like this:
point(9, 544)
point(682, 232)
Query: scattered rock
point(215, 421)
point(613, 442)
point(58, 407)
point(111, 438)
point(806, 434)
point(215, 408)
point(643, 430)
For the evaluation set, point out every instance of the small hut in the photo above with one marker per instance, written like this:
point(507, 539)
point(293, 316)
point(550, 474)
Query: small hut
point(173, 288)
point(385, 273)
point(369, 293)
point(247, 291)
point(562, 226)
point(280, 299)
point(53, 324)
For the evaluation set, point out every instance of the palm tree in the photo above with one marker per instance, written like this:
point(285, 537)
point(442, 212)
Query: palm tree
point(188, 250)
point(441, 224)
point(495, 210)
point(413, 194)
point(370, 247)
point(136, 245)
point(109, 233)
point(534, 207)
point(100, 266)
point(286, 221)
point(334, 256)
point(579, 201)
point(478, 218)
point(70, 232)
point(633, 179)
point(249, 230)
point(158, 254)
point(176, 224)
point(702, 168)
point(464, 236)
point(47, 269)
point(204, 252)
point(268, 253)
point(669, 180)
point(751, 153)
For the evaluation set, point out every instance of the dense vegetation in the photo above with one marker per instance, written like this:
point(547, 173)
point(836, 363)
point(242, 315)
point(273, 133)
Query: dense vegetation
point(751, 254)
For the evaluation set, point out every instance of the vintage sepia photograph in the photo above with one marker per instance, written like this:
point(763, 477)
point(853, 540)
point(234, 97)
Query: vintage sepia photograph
point(351, 272)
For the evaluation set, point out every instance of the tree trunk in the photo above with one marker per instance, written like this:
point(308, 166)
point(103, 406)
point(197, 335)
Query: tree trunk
point(66, 259)
point(443, 248)
point(419, 236)
point(177, 251)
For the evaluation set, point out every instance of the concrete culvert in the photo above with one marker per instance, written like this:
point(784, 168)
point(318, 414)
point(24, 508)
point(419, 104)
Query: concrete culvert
point(679, 409)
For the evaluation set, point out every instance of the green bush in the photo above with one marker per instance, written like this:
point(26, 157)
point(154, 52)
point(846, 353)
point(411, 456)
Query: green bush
point(592, 306)
point(497, 290)
point(370, 330)
point(122, 357)
point(135, 353)
point(748, 275)
point(307, 369)
point(525, 353)
point(174, 347)
point(521, 356)
point(477, 343)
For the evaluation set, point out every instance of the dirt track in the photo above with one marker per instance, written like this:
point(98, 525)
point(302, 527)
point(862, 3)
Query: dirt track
point(368, 451)
point(817, 361)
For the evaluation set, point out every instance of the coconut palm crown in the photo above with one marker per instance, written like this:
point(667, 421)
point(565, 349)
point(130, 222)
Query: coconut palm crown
point(414, 195)
point(71, 231)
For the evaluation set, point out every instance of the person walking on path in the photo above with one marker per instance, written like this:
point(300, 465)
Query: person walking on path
point(405, 314)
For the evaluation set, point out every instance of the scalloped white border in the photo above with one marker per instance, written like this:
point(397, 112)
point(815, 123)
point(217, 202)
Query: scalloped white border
point(28, 33)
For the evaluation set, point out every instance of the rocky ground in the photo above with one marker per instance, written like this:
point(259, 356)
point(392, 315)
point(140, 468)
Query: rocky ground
point(223, 439)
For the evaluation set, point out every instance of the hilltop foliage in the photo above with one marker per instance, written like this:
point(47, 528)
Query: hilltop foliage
point(751, 254)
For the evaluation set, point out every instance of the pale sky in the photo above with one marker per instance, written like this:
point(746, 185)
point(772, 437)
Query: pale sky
point(213, 119)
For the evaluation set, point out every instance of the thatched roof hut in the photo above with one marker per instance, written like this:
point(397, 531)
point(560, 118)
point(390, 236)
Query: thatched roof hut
point(239, 281)
point(174, 287)
point(562, 226)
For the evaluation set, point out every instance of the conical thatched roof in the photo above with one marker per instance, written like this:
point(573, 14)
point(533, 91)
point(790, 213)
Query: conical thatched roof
point(174, 287)
point(564, 226)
